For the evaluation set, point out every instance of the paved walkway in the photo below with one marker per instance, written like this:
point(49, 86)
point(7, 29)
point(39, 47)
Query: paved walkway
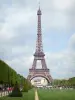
point(36, 95)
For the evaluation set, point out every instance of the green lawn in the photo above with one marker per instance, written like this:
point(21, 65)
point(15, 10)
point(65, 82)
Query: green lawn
point(26, 96)
point(46, 94)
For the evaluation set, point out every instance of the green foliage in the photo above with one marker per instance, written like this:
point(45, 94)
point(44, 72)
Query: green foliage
point(9, 76)
point(20, 79)
point(16, 92)
point(27, 86)
point(66, 83)
point(3, 72)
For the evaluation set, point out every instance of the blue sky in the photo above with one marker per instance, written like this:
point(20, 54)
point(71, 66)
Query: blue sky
point(18, 29)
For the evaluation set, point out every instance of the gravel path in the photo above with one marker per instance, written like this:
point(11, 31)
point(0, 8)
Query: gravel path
point(36, 95)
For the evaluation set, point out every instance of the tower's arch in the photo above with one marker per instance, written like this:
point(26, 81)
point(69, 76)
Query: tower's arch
point(40, 75)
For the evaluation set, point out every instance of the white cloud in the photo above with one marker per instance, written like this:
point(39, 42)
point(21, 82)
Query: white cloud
point(15, 18)
point(63, 4)
point(21, 49)
point(56, 16)
point(6, 32)
point(21, 64)
point(61, 64)
point(72, 43)
point(19, 16)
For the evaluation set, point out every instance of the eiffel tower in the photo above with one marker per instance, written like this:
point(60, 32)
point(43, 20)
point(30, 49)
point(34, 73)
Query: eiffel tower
point(39, 55)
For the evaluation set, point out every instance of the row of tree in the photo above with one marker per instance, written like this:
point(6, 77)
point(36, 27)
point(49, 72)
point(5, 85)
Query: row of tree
point(9, 76)
point(65, 83)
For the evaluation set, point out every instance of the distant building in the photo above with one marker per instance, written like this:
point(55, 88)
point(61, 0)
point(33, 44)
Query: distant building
point(39, 82)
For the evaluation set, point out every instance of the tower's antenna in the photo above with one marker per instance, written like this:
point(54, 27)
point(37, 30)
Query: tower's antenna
point(39, 4)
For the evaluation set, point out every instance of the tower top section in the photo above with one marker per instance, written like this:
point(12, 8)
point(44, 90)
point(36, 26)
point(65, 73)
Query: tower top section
point(39, 11)
point(39, 46)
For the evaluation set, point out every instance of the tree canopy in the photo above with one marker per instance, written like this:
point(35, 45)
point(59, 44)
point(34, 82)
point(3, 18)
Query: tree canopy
point(66, 83)
point(9, 75)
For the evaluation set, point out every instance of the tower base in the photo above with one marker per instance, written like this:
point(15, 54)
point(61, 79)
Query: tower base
point(39, 73)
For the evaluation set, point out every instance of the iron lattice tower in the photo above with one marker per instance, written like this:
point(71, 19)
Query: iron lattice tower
point(39, 55)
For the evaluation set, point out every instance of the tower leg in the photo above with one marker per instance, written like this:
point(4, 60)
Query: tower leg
point(34, 64)
point(43, 64)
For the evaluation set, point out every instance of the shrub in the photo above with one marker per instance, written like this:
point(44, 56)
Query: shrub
point(16, 92)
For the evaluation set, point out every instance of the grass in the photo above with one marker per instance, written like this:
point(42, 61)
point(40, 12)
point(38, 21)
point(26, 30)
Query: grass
point(46, 94)
point(26, 96)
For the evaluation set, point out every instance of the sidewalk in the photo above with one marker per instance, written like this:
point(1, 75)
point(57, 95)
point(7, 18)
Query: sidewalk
point(36, 95)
